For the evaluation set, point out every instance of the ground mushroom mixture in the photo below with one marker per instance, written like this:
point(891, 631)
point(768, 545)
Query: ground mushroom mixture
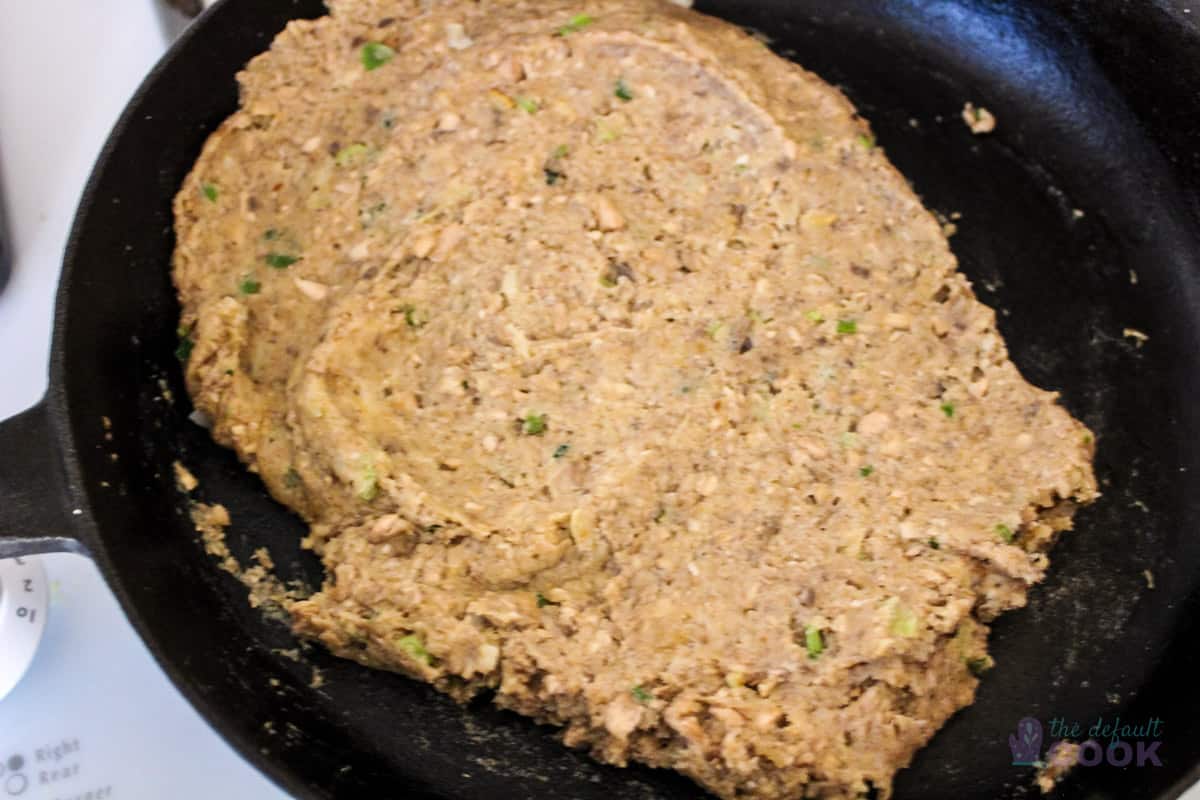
point(616, 370)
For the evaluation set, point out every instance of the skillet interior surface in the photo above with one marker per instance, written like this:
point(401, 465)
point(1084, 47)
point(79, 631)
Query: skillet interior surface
point(1094, 640)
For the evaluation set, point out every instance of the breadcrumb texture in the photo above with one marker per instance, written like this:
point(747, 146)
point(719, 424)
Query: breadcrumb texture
point(617, 371)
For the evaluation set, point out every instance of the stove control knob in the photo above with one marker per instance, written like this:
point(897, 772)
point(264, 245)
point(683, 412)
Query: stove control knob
point(23, 603)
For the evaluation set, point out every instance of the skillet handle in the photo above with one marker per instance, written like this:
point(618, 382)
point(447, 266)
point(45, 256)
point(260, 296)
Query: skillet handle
point(35, 513)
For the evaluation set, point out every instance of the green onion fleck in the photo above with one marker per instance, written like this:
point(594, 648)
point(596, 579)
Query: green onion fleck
point(376, 54)
point(412, 317)
point(904, 622)
point(847, 326)
point(641, 695)
point(280, 260)
point(249, 285)
point(621, 91)
point(866, 471)
point(947, 409)
point(414, 648)
point(576, 24)
point(605, 133)
point(561, 450)
point(1005, 532)
point(542, 601)
point(291, 478)
point(935, 544)
point(367, 485)
point(553, 176)
point(350, 154)
point(867, 141)
point(533, 424)
point(814, 316)
point(980, 665)
point(184, 350)
point(562, 151)
point(528, 105)
point(210, 191)
point(814, 643)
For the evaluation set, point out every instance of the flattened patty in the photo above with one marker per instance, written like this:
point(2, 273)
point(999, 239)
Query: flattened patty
point(616, 370)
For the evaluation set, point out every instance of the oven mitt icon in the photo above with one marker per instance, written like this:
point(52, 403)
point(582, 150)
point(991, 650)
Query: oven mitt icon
point(1026, 743)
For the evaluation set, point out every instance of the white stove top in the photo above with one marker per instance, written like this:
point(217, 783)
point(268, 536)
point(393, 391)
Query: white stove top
point(94, 718)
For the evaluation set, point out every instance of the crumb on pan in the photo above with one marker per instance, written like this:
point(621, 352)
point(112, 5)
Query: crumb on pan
point(978, 119)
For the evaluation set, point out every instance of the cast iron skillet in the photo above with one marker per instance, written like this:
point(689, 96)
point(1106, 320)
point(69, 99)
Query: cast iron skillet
point(1097, 104)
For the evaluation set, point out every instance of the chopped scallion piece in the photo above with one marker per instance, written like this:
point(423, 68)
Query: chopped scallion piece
point(376, 54)
point(367, 486)
point(621, 91)
point(280, 260)
point(184, 350)
point(291, 478)
point(249, 285)
point(980, 665)
point(867, 141)
point(414, 648)
point(814, 316)
point(947, 409)
point(814, 642)
point(527, 104)
point(605, 133)
point(210, 192)
point(553, 176)
point(1005, 532)
point(847, 326)
point(904, 621)
point(350, 154)
point(533, 424)
point(866, 471)
point(935, 544)
point(412, 317)
point(641, 695)
point(561, 450)
point(576, 24)
point(542, 601)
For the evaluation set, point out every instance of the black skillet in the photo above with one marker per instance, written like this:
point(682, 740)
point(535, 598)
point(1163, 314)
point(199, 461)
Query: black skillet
point(1088, 184)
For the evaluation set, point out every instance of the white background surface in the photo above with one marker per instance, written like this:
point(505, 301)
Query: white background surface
point(94, 713)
